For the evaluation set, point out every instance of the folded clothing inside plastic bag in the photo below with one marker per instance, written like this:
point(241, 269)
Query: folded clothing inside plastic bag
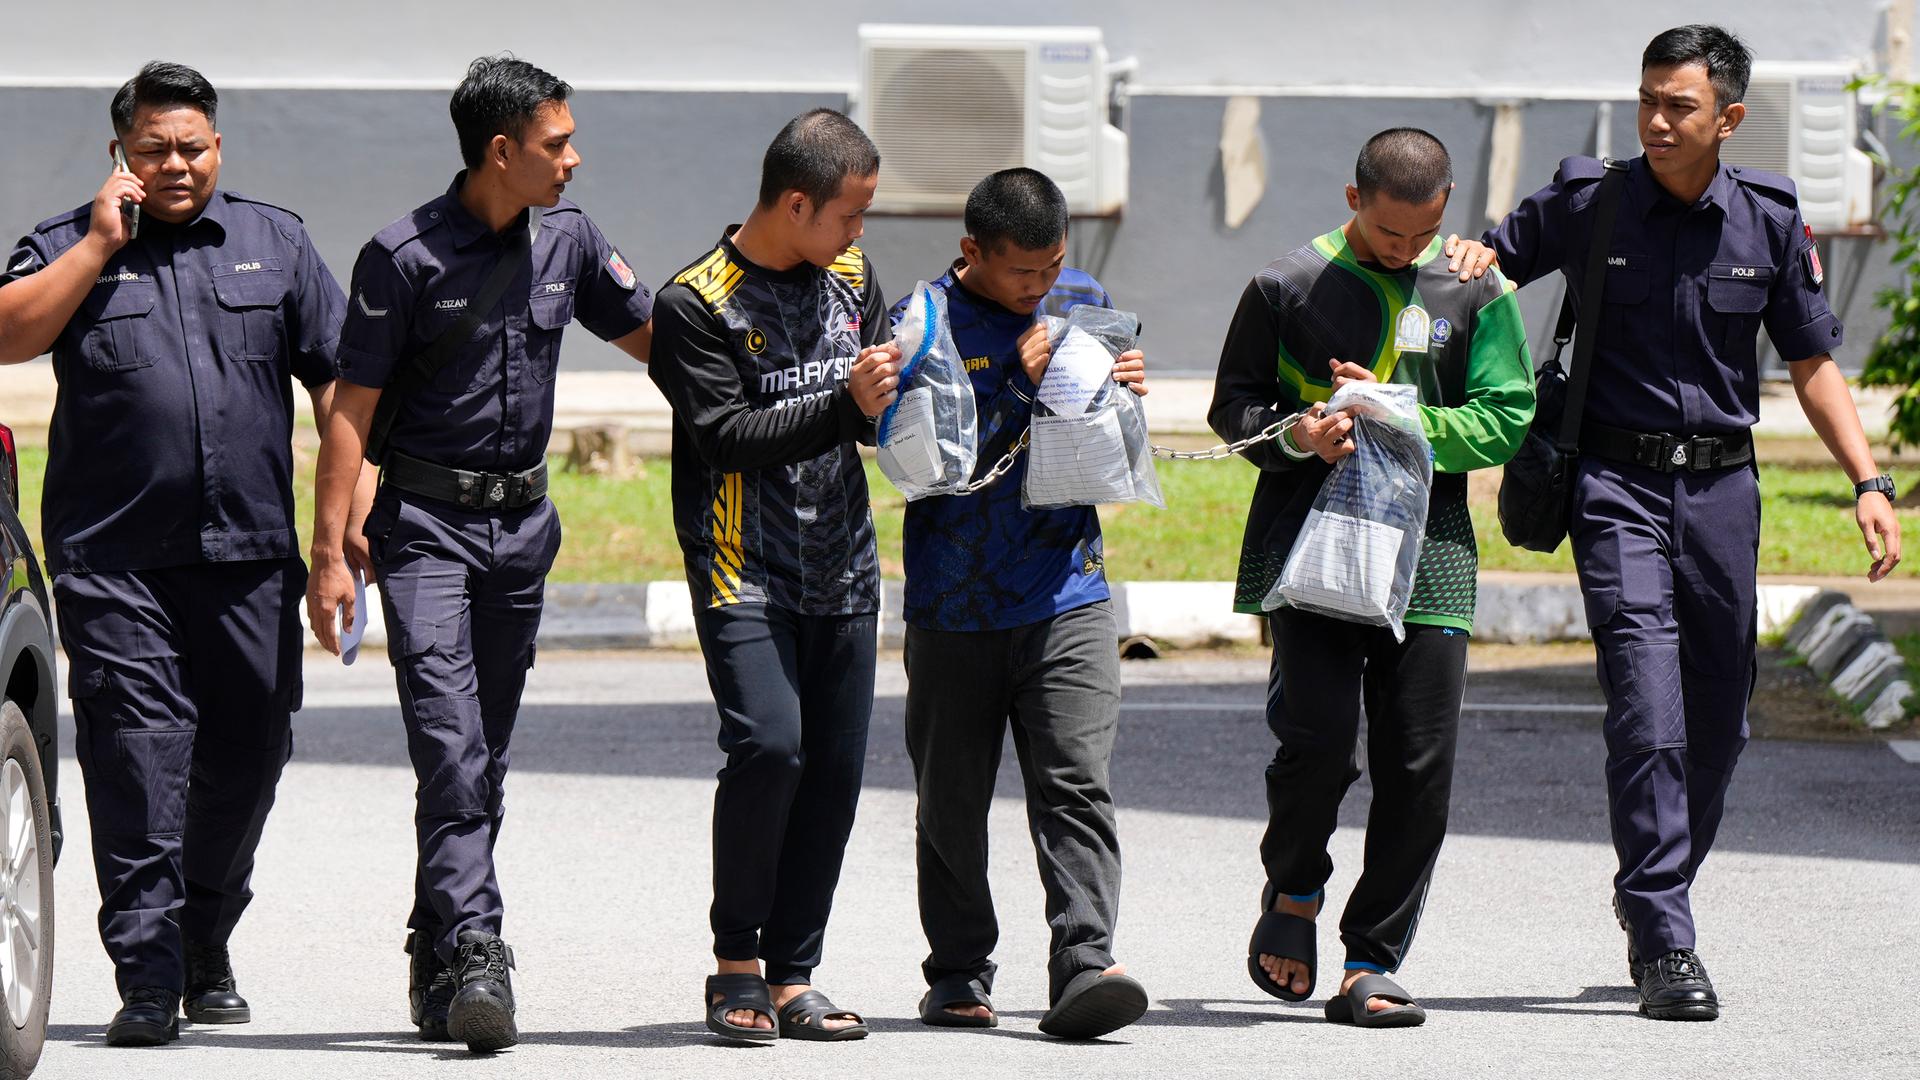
point(1355, 557)
point(926, 437)
point(1088, 442)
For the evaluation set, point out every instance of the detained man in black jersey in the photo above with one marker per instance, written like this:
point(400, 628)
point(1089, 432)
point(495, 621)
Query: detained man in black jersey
point(769, 349)
point(1009, 622)
point(1369, 300)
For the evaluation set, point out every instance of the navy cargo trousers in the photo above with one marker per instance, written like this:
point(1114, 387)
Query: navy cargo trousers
point(184, 680)
point(1667, 564)
point(462, 592)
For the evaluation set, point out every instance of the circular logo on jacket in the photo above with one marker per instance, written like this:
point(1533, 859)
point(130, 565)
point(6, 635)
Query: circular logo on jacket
point(1442, 330)
point(756, 341)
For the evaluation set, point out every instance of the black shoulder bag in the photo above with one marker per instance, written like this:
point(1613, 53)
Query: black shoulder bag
point(425, 364)
point(1536, 487)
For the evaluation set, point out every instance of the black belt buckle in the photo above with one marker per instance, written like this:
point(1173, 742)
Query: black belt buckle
point(493, 491)
point(483, 491)
point(1671, 453)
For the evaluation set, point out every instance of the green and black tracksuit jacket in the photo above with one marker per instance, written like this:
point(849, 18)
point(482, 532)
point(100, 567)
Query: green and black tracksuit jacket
point(1320, 302)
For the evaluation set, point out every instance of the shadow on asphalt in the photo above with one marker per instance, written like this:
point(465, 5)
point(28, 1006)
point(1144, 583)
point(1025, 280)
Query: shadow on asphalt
point(1167, 1013)
point(1529, 775)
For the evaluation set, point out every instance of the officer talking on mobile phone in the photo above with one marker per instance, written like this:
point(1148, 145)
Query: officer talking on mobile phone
point(168, 526)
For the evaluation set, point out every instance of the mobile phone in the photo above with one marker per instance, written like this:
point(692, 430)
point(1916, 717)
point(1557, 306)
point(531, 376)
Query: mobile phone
point(128, 208)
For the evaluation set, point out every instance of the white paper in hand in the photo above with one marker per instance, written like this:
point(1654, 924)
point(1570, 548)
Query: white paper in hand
point(350, 635)
point(1078, 368)
point(913, 442)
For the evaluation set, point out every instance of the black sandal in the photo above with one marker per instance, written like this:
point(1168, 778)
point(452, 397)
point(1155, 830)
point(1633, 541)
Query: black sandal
point(1351, 1007)
point(805, 1015)
point(737, 992)
point(1095, 1004)
point(957, 989)
point(1290, 937)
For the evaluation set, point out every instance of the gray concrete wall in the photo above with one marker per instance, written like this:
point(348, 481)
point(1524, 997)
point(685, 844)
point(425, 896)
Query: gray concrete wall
point(1468, 44)
point(665, 171)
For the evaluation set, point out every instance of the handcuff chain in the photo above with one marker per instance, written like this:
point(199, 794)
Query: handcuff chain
point(1226, 450)
point(1000, 468)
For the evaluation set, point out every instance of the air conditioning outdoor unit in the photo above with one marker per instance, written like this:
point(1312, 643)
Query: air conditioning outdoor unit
point(947, 105)
point(1802, 123)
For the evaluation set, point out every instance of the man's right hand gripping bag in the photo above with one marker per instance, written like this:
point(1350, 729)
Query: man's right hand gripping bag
point(1087, 443)
point(1355, 557)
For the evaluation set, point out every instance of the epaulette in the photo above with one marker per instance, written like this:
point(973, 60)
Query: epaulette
point(1776, 192)
point(1581, 168)
point(851, 266)
point(712, 277)
point(421, 220)
point(234, 196)
point(78, 214)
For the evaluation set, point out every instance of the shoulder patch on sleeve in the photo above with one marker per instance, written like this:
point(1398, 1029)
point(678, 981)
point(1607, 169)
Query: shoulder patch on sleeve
point(712, 277)
point(852, 266)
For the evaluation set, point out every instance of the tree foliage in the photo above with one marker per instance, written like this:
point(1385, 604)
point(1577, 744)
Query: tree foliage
point(1894, 359)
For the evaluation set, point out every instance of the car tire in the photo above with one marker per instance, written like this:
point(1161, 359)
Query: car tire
point(26, 898)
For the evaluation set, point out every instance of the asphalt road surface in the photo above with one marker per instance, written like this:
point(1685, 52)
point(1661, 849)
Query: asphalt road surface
point(1807, 910)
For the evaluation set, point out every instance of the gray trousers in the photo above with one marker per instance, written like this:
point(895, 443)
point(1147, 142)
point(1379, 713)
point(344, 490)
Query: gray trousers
point(1057, 682)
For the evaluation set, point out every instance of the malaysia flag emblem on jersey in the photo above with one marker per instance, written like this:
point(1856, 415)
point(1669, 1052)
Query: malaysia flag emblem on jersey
point(853, 324)
point(621, 271)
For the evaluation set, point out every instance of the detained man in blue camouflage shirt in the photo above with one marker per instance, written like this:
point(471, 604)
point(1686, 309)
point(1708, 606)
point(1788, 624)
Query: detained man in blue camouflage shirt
point(1009, 621)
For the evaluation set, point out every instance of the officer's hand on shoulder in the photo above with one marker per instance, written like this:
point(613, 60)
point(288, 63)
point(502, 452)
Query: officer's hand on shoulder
point(1469, 258)
point(875, 378)
point(1130, 370)
point(1035, 350)
point(109, 227)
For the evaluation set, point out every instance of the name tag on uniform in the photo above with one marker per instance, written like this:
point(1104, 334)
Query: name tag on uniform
point(1412, 330)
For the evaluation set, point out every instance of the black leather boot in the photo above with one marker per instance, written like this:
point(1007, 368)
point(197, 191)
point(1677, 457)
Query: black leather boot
point(429, 988)
point(481, 1014)
point(1676, 987)
point(148, 1016)
point(210, 996)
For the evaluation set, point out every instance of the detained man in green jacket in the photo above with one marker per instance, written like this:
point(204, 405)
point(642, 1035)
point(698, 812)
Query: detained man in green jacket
point(1371, 300)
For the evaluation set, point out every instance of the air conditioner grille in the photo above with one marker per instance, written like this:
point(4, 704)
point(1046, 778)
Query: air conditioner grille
point(1764, 140)
point(943, 118)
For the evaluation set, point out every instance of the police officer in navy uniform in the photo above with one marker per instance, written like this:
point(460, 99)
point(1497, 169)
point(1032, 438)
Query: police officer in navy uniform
point(1666, 517)
point(169, 527)
point(461, 532)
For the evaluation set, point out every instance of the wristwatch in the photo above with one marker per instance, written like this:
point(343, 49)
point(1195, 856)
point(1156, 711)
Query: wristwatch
point(1882, 484)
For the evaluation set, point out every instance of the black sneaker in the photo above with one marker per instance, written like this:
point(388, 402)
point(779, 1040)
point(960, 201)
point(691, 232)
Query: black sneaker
point(429, 988)
point(481, 1014)
point(1634, 966)
point(1676, 987)
point(211, 997)
point(148, 1016)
